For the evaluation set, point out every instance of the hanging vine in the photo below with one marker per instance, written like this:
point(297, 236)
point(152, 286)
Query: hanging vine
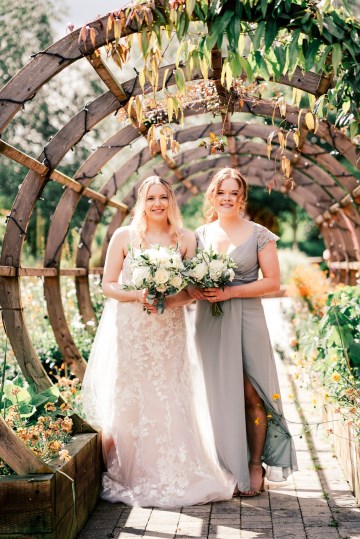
point(260, 40)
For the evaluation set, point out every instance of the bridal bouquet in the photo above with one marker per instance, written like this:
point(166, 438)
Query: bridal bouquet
point(209, 269)
point(160, 270)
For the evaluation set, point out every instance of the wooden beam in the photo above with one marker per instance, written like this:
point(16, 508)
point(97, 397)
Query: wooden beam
point(17, 455)
point(35, 165)
point(108, 77)
point(12, 271)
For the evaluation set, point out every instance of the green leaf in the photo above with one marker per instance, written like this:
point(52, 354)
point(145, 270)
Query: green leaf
point(264, 5)
point(280, 54)
point(218, 28)
point(336, 56)
point(246, 67)
point(261, 65)
point(180, 79)
point(26, 410)
point(311, 52)
point(332, 28)
point(260, 30)
point(270, 33)
point(354, 354)
point(22, 394)
point(235, 64)
point(144, 41)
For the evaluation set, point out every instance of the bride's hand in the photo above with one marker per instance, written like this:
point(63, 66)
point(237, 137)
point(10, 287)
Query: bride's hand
point(217, 294)
point(196, 293)
point(141, 297)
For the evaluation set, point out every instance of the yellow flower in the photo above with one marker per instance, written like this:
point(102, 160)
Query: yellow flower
point(333, 358)
point(257, 421)
point(314, 402)
point(269, 416)
point(275, 397)
point(335, 376)
point(291, 396)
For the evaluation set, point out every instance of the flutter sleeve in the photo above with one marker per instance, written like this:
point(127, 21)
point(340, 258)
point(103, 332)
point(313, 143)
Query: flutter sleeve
point(263, 236)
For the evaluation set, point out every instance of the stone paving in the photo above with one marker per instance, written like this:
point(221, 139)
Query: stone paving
point(315, 502)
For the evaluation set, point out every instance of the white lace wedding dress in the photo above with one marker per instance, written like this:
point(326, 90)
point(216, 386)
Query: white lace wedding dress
point(144, 389)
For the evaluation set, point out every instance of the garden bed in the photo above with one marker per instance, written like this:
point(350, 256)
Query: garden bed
point(56, 505)
point(347, 448)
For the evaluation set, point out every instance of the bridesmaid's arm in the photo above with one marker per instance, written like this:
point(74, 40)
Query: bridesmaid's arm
point(269, 265)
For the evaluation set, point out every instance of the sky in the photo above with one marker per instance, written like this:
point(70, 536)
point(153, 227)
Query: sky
point(80, 12)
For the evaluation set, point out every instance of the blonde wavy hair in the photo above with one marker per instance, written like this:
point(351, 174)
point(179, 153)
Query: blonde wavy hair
point(139, 221)
point(211, 192)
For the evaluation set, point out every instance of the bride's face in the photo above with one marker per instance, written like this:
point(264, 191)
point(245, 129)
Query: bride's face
point(227, 200)
point(156, 203)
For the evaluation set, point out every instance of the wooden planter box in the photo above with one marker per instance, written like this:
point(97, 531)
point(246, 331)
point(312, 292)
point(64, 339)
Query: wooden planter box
point(347, 448)
point(43, 506)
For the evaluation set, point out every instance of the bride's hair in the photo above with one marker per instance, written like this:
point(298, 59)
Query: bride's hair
point(211, 192)
point(174, 215)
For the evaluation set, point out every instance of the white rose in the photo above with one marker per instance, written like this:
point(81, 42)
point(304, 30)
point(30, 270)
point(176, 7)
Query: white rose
point(177, 261)
point(199, 271)
point(140, 275)
point(176, 281)
point(216, 268)
point(231, 273)
point(161, 288)
point(161, 276)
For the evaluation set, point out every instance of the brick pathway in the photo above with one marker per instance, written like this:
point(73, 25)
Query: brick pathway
point(315, 503)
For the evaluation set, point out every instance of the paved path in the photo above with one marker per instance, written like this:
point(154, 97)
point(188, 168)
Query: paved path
point(315, 503)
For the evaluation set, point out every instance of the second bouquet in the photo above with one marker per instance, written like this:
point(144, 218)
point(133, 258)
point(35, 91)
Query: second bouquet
point(210, 269)
point(159, 270)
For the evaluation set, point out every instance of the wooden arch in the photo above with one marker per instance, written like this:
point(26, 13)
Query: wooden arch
point(324, 187)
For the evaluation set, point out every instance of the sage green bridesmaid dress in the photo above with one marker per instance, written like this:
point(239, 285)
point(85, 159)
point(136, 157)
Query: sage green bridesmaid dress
point(233, 344)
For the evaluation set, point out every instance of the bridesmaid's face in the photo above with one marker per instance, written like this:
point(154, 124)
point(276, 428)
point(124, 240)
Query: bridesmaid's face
point(156, 203)
point(228, 198)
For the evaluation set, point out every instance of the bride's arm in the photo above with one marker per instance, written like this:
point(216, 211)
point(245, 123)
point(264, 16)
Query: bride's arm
point(269, 265)
point(115, 256)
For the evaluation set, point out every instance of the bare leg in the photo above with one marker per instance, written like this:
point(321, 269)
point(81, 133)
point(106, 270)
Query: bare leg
point(256, 434)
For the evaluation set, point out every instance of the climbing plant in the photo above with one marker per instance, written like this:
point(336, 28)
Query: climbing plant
point(263, 39)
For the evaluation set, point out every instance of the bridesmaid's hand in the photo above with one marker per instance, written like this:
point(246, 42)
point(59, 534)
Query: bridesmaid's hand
point(141, 297)
point(196, 293)
point(217, 294)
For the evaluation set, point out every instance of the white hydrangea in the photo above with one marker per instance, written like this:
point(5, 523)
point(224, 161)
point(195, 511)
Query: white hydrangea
point(216, 268)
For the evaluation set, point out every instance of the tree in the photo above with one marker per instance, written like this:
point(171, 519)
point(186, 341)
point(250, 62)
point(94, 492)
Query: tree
point(27, 29)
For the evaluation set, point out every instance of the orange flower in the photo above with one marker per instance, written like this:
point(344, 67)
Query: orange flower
point(67, 424)
point(49, 407)
point(335, 376)
point(54, 445)
point(257, 421)
point(275, 397)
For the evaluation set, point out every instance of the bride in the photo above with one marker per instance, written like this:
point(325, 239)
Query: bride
point(144, 386)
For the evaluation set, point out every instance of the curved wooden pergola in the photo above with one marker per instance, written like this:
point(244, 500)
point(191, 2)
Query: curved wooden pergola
point(323, 187)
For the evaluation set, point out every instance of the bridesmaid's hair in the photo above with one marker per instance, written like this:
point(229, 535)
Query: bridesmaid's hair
point(223, 174)
point(174, 215)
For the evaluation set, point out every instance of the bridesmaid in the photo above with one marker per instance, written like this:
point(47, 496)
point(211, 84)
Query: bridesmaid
point(235, 349)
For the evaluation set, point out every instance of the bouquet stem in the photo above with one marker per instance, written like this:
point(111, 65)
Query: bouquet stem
point(216, 309)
